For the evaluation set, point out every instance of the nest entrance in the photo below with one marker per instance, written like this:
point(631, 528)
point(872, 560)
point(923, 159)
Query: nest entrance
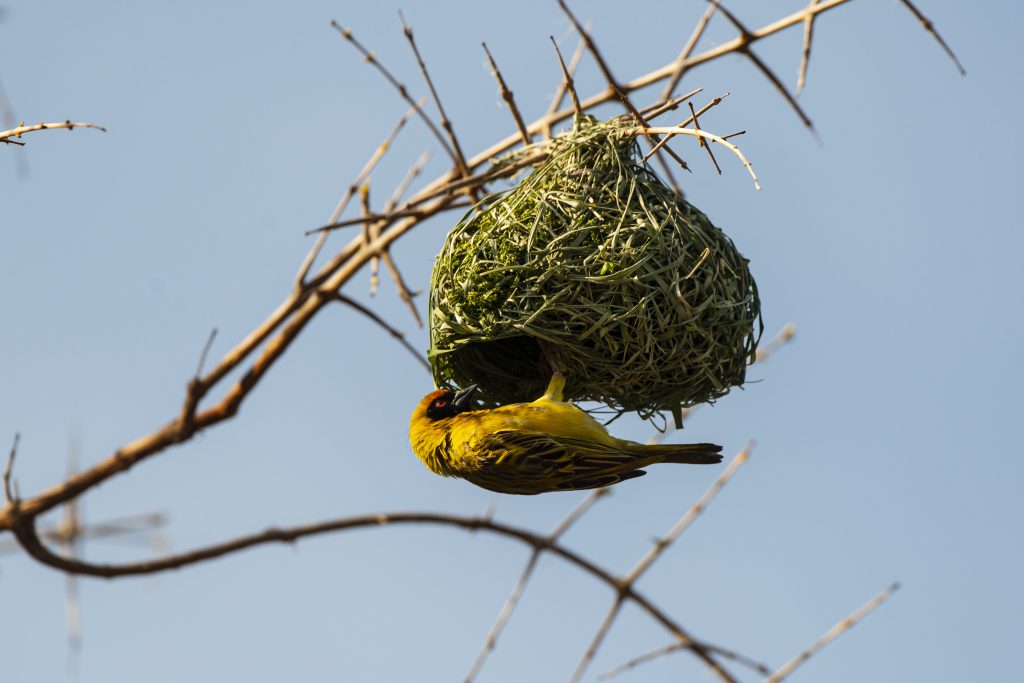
point(644, 304)
point(512, 367)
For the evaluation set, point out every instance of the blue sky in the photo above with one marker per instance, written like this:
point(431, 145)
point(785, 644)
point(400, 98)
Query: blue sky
point(886, 440)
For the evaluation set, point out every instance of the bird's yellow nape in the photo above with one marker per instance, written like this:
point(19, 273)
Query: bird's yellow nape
point(555, 387)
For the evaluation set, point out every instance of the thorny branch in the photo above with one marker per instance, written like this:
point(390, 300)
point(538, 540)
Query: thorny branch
point(311, 292)
point(746, 38)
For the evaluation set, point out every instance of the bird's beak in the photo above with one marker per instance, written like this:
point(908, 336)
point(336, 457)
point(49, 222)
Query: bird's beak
point(464, 398)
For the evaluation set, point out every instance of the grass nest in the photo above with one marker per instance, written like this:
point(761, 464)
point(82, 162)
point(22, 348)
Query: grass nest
point(640, 300)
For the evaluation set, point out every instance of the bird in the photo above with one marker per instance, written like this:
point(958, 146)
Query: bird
point(531, 448)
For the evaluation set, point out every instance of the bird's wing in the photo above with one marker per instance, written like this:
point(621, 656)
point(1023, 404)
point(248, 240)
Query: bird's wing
point(562, 462)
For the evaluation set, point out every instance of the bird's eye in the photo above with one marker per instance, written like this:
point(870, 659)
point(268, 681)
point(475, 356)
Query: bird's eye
point(441, 407)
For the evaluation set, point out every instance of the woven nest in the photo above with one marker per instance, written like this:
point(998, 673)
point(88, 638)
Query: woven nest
point(642, 302)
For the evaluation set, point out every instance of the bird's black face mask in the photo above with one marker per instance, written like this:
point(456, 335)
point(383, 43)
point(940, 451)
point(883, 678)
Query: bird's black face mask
point(450, 403)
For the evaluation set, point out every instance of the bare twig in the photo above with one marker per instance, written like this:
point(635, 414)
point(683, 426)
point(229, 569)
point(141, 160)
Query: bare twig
point(400, 87)
point(930, 27)
point(755, 665)
point(691, 515)
point(460, 159)
point(513, 599)
point(404, 293)
point(562, 87)
point(364, 206)
point(121, 526)
point(374, 159)
point(407, 180)
point(385, 216)
point(502, 169)
point(696, 126)
point(805, 53)
point(16, 132)
point(11, 489)
point(300, 278)
point(73, 609)
point(567, 81)
point(746, 38)
point(307, 263)
point(684, 54)
point(195, 390)
point(766, 351)
point(509, 98)
point(394, 332)
point(598, 639)
point(350, 191)
point(668, 130)
point(663, 106)
point(621, 94)
point(735, 45)
point(206, 352)
point(833, 633)
point(113, 528)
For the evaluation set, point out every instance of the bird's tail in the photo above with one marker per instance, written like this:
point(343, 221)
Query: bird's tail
point(687, 453)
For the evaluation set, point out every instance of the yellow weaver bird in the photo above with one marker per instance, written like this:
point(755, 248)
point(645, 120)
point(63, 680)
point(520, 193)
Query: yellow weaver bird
point(529, 448)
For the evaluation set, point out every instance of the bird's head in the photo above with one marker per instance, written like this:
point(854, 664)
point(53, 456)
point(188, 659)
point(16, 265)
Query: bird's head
point(443, 403)
point(429, 429)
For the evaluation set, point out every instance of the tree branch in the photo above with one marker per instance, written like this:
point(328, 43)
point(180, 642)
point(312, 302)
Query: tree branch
point(18, 131)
